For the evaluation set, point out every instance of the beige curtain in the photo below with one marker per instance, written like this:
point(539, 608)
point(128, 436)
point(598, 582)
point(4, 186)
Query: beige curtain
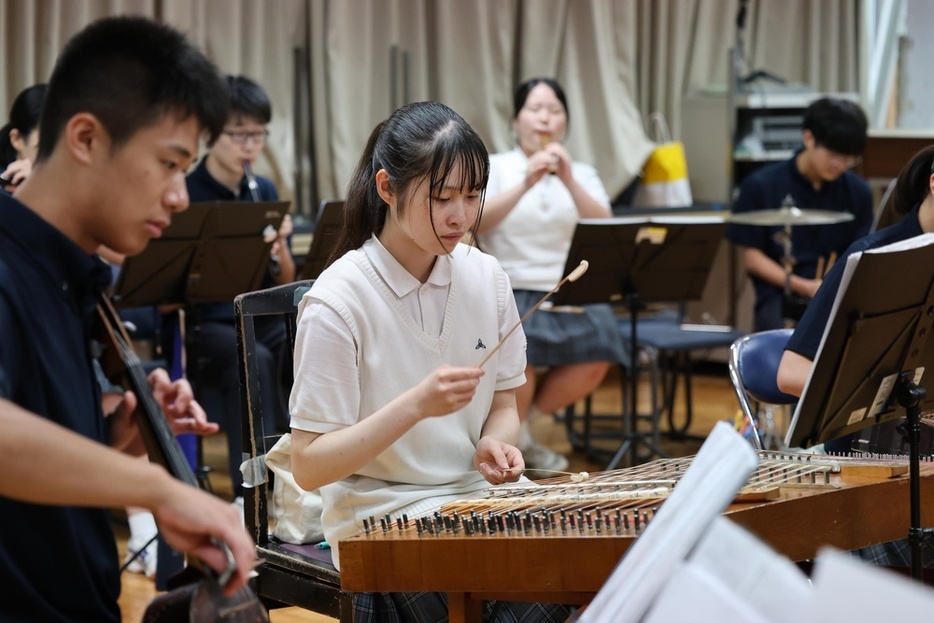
point(246, 37)
point(334, 68)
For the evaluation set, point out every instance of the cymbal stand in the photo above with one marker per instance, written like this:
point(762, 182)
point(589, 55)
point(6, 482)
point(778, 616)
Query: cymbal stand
point(788, 259)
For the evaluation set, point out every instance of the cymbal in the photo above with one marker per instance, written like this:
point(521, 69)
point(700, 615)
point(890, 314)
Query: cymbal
point(790, 215)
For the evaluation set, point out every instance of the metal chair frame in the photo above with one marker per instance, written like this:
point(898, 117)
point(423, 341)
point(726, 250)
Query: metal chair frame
point(758, 386)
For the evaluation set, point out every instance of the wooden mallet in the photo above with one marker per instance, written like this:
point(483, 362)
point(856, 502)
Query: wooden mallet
point(574, 275)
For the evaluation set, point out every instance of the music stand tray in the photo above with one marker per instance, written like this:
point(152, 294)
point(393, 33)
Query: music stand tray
point(873, 355)
point(637, 260)
point(328, 224)
point(210, 253)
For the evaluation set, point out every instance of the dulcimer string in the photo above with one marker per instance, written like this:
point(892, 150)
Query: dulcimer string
point(642, 485)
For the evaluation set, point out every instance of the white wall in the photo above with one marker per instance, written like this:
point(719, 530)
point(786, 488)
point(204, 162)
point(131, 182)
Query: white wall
point(917, 88)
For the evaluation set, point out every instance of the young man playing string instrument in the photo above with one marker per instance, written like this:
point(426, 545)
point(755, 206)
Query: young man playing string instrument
point(126, 104)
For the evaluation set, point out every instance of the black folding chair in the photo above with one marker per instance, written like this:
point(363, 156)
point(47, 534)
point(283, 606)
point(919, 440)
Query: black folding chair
point(293, 575)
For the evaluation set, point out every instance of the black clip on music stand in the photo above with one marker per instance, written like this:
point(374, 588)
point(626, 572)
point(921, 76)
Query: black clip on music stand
point(640, 260)
point(874, 351)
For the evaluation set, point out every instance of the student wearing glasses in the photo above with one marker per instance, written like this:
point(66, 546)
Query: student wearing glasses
point(220, 177)
point(817, 177)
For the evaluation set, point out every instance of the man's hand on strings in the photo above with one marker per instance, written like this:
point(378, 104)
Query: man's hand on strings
point(124, 435)
point(178, 403)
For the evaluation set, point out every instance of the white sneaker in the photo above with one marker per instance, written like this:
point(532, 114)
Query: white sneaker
point(145, 563)
point(538, 456)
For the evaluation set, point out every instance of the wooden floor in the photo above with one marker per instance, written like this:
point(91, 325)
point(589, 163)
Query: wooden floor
point(713, 401)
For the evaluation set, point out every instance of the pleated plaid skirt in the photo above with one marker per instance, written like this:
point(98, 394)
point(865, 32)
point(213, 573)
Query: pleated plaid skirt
point(589, 333)
point(433, 608)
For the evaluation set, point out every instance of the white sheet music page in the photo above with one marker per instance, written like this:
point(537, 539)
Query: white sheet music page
point(721, 467)
point(851, 590)
point(747, 580)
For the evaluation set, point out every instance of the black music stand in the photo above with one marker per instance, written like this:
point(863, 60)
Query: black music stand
point(874, 352)
point(328, 224)
point(210, 253)
point(640, 260)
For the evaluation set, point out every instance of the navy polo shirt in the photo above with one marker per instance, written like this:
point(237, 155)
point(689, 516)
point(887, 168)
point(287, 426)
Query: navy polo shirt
point(807, 336)
point(203, 187)
point(766, 188)
point(57, 563)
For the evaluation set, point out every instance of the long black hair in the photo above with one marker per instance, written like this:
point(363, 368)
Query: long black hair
point(418, 143)
point(24, 118)
point(913, 184)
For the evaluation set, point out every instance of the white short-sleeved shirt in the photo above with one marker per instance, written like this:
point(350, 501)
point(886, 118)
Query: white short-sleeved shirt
point(368, 331)
point(532, 242)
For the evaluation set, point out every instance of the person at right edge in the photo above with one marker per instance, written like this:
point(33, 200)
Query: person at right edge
point(817, 177)
point(913, 204)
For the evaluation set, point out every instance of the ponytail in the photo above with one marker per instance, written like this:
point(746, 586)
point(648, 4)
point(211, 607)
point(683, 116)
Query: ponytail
point(914, 183)
point(364, 209)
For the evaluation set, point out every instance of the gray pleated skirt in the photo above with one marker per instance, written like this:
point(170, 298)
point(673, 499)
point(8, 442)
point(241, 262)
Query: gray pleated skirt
point(561, 337)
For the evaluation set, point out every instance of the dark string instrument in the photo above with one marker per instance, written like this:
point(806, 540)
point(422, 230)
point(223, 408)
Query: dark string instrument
point(201, 596)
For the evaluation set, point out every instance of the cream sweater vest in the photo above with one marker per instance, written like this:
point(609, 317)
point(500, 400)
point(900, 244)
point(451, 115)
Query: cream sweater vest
point(433, 461)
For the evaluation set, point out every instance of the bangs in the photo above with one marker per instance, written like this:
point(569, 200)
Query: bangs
point(453, 149)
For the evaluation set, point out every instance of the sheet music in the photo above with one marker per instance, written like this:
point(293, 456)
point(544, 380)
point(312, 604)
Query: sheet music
point(695, 594)
point(838, 579)
point(746, 566)
point(687, 219)
point(674, 219)
point(722, 465)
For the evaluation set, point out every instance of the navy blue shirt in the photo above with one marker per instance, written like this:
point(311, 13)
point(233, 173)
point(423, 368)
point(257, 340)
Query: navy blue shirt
point(203, 187)
point(807, 335)
point(57, 563)
point(765, 189)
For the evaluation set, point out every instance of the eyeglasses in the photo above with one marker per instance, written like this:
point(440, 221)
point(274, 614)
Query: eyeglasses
point(241, 137)
point(841, 160)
